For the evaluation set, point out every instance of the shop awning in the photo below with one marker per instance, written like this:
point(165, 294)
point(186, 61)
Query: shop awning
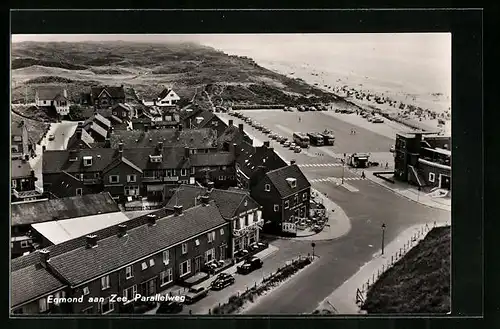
point(154, 188)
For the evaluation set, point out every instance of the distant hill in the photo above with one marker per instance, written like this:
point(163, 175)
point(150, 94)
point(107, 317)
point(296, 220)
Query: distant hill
point(149, 67)
point(419, 282)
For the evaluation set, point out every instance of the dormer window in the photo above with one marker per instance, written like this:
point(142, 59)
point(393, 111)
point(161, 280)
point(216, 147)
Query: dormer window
point(292, 182)
point(267, 187)
point(155, 158)
point(87, 161)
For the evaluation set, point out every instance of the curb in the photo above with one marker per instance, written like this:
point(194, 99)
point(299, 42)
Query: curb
point(406, 197)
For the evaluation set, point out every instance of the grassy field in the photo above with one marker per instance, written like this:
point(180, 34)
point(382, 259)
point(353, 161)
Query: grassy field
point(148, 68)
point(419, 282)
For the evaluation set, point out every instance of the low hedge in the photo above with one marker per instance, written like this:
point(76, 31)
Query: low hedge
point(235, 302)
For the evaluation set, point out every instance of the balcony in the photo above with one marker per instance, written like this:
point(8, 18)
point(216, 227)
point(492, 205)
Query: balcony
point(252, 226)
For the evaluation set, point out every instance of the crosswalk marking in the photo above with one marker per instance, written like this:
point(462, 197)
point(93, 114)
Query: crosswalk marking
point(334, 179)
point(320, 165)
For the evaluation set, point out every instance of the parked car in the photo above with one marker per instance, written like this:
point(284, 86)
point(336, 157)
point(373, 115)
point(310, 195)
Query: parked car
point(222, 281)
point(266, 131)
point(241, 253)
point(286, 144)
point(249, 265)
point(283, 140)
point(378, 120)
point(52, 137)
point(274, 136)
point(297, 149)
point(195, 293)
point(292, 146)
point(312, 108)
point(169, 307)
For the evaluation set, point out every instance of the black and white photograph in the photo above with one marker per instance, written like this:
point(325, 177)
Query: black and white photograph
point(231, 174)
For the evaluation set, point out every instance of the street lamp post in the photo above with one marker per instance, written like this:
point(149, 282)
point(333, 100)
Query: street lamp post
point(343, 170)
point(313, 245)
point(383, 236)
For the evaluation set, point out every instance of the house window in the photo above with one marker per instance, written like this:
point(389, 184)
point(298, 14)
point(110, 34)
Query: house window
point(131, 190)
point(166, 277)
point(124, 114)
point(105, 282)
point(304, 196)
point(192, 171)
point(107, 306)
point(267, 187)
point(432, 177)
point(287, 204)
point(25, 244)
point(276, 208)
point(86, 290)
point(169, 173)
point(183, 172)
point(166, 257)
point(210, 255)
point(14, 183)
point(43, 305)
point(130, 293)
point(222, 177)
point(184, 248)
point(151, 262)
point(114, 179)
point(144, 266)
point(185, 268)
point(221, 231)
point(197, 242)
point(96, 175)
point(79, 191)
point(174, 172)
point(211, 237)
point(128, 272)
point(131, 178)
point(87, 161)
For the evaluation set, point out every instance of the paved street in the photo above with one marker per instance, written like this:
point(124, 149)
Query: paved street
point(368, 207)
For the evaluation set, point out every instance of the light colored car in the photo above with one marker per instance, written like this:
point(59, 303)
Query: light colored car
point(52, 137)
point(286, 144)
point(378, 120)
point(292, 146)
point(297, 149)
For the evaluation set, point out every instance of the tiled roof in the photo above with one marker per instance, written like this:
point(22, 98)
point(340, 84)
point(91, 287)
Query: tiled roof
point(193, 138)
point(20, 168)
point(173, 157)
point(64, 208)
point(57, 161)
point(102, 119)
point(86, 138)
point(113, 91)
point(250, 158)
point(232, 135)
point(228, 201)
point(49, 92)
point(60, 231)
point(113, 252)
point(206, 116)
point(98, 129)
point(31, 282)
point(212, 159)
point(278, 178)
point(119, 160)
point(164, 93)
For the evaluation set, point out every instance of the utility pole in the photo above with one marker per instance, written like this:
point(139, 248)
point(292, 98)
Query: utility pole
point(343, 169)
point(383, 236)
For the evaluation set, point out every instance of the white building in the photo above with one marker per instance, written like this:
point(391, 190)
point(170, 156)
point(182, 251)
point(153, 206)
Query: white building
point(53, 96)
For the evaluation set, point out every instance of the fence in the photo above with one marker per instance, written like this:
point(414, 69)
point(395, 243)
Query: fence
point(362, 291)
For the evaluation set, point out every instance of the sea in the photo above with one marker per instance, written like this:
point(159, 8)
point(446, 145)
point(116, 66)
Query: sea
point(415, 67)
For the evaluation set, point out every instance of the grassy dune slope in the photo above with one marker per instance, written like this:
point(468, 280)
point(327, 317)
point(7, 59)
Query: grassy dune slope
point(149, 67)
point(419, 282)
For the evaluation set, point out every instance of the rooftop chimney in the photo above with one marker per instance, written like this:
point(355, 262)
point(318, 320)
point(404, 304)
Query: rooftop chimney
point(44, 257)
point(120, 147)
point(79, 132)
point(240, 127)
point(267, 144)
point(178, 210)
point(186, 152)
point(122, 230)
point(292, 162)
point(80, 125)
point(230, 123)
point(151, 219)
point(91, 241)
point(205, 199)
point(32, 173)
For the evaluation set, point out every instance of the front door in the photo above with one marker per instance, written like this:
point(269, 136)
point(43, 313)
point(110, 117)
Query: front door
point(223, 251)
point(445, 182)
point(197, 264)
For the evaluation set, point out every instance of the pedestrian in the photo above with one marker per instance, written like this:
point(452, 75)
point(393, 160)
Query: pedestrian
point(363, 174)
point(386, 165)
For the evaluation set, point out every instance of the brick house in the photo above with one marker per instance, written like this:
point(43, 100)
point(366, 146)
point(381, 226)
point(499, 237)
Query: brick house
point(23, 187)
point(24, 214)
point(107, 96)
point(236, 206)
point(160, 252)
point(284, 195)
point(423, 160)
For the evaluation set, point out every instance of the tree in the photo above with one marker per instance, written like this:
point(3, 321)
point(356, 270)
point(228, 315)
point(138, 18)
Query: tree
point(75, 112)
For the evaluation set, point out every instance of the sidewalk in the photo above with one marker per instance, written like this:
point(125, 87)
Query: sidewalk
point(412, 193)
point(343, 299)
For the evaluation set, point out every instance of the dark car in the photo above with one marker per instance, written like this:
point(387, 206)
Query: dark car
point(195, 293)
point(249, 265)
point(222, 281)
point(169, 307)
